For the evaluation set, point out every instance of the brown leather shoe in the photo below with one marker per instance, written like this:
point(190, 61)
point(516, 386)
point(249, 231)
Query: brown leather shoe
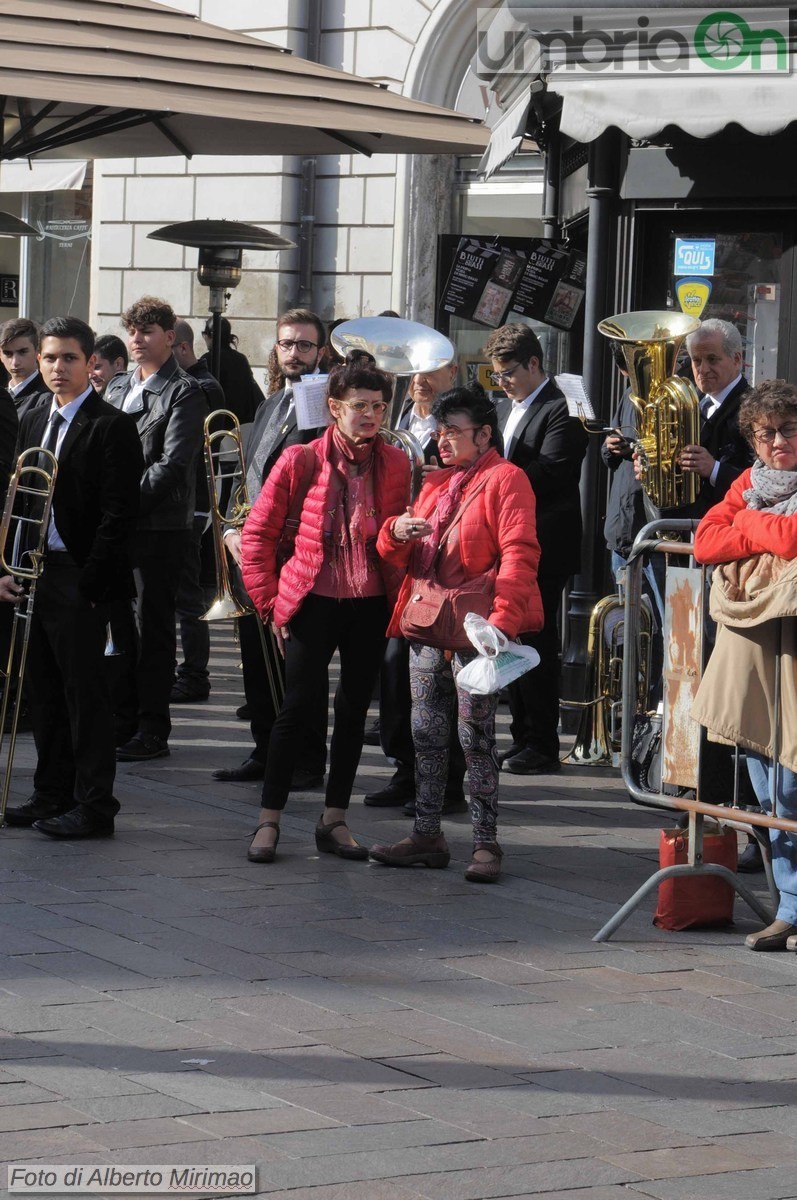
point(416, 850)
point(488, 871)
point(775, 937)
point(264, 854)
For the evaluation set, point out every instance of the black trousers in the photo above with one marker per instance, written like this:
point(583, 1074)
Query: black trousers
point(67, 692)
point(144, 672)
point(534, 698)
point(192, 602)
point(356, 629)
point(395, 722)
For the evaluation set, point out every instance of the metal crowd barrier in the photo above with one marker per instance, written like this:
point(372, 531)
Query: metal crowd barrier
point(681, 738)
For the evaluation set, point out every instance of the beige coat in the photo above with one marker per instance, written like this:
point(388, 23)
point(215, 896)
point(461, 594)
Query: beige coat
point(754, 602)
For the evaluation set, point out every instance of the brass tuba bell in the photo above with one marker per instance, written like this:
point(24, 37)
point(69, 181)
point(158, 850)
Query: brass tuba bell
point(667, 406)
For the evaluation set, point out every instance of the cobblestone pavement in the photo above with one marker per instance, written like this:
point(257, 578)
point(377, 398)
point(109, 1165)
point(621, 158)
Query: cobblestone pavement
point(368, 1034)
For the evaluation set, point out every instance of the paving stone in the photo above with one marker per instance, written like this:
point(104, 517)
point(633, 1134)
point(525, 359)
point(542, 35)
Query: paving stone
point(27, 1115)
point(205, 1092)
point(689, 1160)
point(288, 1119)
point(547, 1179)
point(776, 1183)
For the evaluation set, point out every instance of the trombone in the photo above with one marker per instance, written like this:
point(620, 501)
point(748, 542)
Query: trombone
point(228, 604)
point(33, 482)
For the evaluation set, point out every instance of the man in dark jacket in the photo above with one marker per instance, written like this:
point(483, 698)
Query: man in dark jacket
point(192, 681)
point(169, 410)
point(19, 346)
point(86, 568)
point(543, 439)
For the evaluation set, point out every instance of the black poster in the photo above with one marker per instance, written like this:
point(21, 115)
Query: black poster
point(542, 280)
point(9, 291)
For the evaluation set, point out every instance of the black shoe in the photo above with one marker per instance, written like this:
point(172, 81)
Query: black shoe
point(510, 752)
point(184, 692)
point(75, 824)
point(243, 713)
point(451, 805)
point(751, 860)
point(372, 736)
point(36, 809)
point(303, 780)
point(531, 762)
point(391, 796)
point(142, 747)
point(249, 770)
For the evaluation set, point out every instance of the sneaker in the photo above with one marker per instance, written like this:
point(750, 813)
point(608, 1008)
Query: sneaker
point(142, 747)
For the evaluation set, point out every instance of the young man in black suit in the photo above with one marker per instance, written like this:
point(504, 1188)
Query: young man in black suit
point(86, 567)
point(543, 439)
point(19, 346)
point(301, 337)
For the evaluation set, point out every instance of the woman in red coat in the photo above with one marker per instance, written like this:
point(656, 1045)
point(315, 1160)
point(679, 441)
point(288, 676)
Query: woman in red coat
point(333, 593)
point(472, 520)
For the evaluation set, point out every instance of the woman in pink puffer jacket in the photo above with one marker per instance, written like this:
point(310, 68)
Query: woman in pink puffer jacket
point(333, 593)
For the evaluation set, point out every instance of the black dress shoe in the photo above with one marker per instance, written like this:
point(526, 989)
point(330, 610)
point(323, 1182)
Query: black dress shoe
point(264, 854)
point(249, 770)
point(243, 713)
point(510, 752)
point(391, 796)
point(184, 692)
point(303, 780)
point(141, 748)
point(531, 762)
point(451, 805)
point(751, 860)
point(77, 823)
point(36, 809)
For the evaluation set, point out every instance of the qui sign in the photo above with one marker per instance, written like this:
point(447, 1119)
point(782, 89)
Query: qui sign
point(693, 258)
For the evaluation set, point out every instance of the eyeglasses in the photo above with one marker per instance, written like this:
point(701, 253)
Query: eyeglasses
point(362, 406)
point(766, 437)
point(301, 344)
point(451, 434)
point(499, 376)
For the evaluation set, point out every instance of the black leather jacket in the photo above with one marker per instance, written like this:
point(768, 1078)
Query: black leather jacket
point(169, 415)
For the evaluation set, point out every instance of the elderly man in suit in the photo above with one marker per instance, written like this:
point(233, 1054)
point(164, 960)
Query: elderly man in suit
point(543, 439)
point(86, 567)
point(299, 347)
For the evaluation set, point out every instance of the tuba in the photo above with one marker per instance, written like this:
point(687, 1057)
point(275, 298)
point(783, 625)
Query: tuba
point(667, 406)
point(597, 741)
point(401, 348)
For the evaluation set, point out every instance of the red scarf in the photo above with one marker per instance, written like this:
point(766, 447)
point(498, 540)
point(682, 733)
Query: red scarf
point(353, 464)
point(448, 501)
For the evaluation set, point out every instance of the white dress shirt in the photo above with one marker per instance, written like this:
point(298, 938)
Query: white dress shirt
point(19, 387)
point(516, 414)
point(423, 428)
point(708, 406)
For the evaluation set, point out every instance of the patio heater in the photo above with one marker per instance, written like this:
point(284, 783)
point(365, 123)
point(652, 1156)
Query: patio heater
point(221, 245)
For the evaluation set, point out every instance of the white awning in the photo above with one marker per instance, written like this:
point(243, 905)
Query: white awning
point(22, 175)
point(506, 136)
point(699, 105)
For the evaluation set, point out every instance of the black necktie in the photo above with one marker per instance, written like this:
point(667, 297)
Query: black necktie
point(51, 439)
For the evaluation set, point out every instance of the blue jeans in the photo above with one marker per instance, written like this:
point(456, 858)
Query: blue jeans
point(784, 845)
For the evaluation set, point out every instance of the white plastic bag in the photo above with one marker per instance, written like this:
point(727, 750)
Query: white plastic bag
point(499, 661)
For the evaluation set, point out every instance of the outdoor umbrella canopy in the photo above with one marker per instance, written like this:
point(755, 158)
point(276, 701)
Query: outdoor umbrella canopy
point(131, 78)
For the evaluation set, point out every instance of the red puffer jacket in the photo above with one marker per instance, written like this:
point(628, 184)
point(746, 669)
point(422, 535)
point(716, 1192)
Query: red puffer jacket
point(281, 597)
point(730, 530)
point(498, 524)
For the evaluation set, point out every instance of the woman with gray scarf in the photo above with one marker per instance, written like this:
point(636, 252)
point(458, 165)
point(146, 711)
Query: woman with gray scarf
point(753, 532)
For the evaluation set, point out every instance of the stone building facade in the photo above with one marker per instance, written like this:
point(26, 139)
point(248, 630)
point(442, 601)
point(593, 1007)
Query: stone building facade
point(368, 227)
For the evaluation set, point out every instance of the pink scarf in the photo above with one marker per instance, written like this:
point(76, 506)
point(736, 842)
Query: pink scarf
point(349, 517)
point(448, 502)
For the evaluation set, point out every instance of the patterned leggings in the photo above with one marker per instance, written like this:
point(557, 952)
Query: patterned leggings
point(434, 697)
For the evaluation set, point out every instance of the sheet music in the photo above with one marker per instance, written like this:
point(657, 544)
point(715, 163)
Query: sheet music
point(310, 399)
point(579, 404)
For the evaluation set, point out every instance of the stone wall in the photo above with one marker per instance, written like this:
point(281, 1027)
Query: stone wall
point(364, 260)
